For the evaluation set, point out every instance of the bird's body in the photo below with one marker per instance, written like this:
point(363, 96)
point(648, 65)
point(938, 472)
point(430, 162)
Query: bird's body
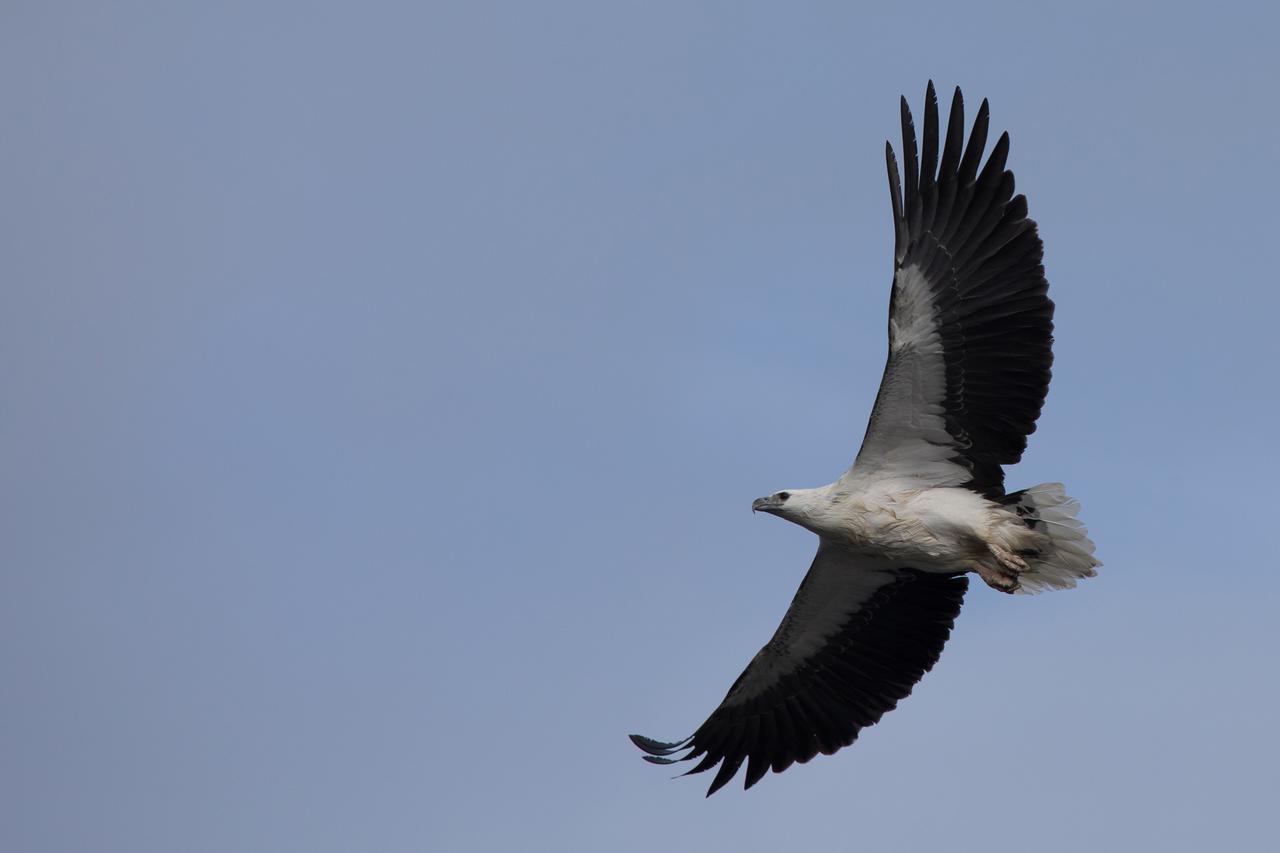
point(905, 524)
point(932, 529)
point(970, 349)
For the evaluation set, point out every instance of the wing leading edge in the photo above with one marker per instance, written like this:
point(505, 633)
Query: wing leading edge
point(853, 643)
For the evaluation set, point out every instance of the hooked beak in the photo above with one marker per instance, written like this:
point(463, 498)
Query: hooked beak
point(769, 504)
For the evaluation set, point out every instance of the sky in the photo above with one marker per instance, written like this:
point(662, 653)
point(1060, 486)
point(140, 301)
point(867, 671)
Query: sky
point(386, 385)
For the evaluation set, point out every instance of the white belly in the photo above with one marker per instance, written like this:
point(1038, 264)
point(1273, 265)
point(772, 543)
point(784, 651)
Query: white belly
point(929, 529)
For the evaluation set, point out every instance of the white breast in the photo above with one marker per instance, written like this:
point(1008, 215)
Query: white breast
point(921, 528)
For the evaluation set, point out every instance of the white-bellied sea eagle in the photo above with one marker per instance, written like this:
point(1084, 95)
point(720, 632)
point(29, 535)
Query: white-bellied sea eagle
point(970, 347)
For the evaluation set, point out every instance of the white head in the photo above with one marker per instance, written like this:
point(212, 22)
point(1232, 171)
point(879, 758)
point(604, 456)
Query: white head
point(805, 507)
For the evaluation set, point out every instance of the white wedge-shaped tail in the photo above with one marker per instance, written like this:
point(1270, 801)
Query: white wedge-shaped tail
point(1048, 509)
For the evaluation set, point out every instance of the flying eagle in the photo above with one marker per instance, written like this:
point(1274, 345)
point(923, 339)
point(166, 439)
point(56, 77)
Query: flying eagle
point(970, 347)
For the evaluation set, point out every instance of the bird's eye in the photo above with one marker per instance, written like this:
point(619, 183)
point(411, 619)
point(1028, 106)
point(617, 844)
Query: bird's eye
point(782, 496)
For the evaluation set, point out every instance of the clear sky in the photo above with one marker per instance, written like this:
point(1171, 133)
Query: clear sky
point(386, 385)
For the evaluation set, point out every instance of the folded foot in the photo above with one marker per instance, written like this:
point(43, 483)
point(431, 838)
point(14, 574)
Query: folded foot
point(1003, 575)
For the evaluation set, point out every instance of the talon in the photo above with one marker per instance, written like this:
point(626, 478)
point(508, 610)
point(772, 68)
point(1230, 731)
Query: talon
point(999, 580)
point(1008, 559)
point(998, 575)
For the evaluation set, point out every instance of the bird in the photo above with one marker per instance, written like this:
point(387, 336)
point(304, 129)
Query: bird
point(924, 503)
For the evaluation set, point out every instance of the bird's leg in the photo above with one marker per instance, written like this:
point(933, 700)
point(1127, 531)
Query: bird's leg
point(1008, 559)
point(1005, 581)
point(1003, 574)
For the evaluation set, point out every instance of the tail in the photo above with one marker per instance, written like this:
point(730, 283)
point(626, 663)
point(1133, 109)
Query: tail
point(1068, 556)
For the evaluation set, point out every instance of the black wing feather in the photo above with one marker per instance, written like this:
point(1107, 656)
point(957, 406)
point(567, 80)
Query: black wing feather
point(981, 257)
point(821, 705)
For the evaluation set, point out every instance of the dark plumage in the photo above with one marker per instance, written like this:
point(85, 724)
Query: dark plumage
point(982, 258)
point(879, 653)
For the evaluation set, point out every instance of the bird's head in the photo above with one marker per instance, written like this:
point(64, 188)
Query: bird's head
point(793, 504)
point(809, 508)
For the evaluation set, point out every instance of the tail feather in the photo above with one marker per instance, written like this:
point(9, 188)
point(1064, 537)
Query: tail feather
point(1068, 555)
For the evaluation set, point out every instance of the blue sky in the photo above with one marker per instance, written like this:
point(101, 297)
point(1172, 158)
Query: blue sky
point(386, 386)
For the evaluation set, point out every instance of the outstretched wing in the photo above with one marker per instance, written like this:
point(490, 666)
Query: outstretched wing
point(970, 321)
point(855, 640)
